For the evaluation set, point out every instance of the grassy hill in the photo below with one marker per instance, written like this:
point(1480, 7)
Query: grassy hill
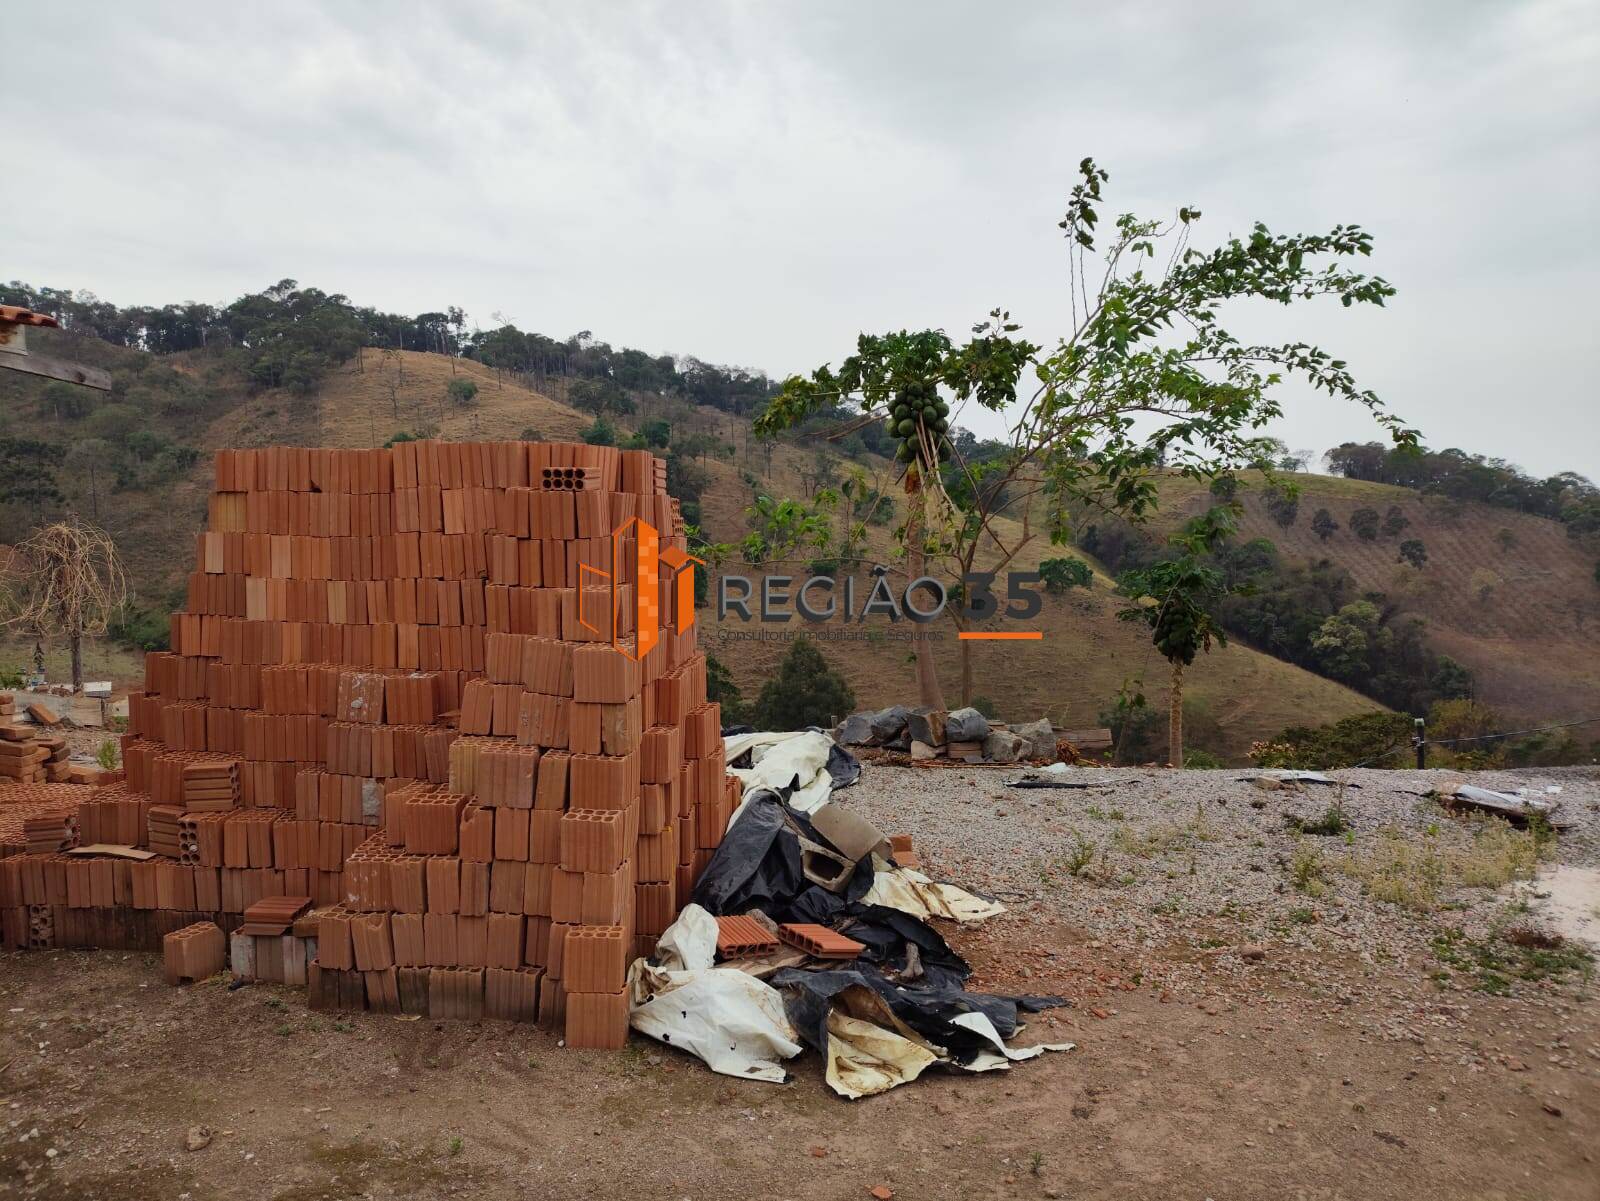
point(1509, 595)
point(1525, 638)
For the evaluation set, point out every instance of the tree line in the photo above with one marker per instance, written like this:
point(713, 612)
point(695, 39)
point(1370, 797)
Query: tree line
point(290, 336)
point(1566, 497)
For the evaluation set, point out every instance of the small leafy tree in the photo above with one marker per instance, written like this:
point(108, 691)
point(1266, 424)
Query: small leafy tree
point(1364, 524)
point(1283, 505)
point(601, 433)
point(804, 692)
point(1347, 641)
point(783, 529)
point(1177, 600)
point(656, 433)
point(461, 391)
point(1147, 380)
point(602, 397)
point(1483, 582)
point(1225, 488)
point(1323, 525)
point(1412, 551)
point(1062, 574)
point(1132, 723)
point(1394, 521)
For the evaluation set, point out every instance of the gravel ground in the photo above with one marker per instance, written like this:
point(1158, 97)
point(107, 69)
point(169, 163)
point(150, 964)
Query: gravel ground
point(1193, 876)
point(1335, 1064)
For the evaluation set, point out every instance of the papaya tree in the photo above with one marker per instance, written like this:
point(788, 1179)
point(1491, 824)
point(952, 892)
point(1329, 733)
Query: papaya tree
point(899, 376)
point(1147, 382)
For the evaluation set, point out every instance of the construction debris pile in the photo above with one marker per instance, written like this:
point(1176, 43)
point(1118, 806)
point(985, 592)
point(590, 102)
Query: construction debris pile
point(823, 928)
point(447, 693)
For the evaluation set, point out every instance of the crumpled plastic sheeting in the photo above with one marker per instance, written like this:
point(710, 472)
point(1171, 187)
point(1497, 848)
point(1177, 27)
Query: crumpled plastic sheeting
point(910, 891)
point(734, 1022)
point(866, 1049)
point(758, 863)
point(875, 1035)
point(864, 1060)
point(795, 765)
point(1290, 776)
point(1002, 1057)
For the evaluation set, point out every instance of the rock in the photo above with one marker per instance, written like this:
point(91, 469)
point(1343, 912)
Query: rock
point(1252, 951)
point(855, 730)
point(1041, 738)
point(966, 725)
point(198, 1138)
point(921, 750)
point(1004, 746)
point(926, 726)
point(887, 723)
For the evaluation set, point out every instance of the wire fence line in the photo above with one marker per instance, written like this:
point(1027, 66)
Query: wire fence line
point(1422, 744)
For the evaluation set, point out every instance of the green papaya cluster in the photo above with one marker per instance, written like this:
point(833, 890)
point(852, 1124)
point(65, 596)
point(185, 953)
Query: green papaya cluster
point(919, 404)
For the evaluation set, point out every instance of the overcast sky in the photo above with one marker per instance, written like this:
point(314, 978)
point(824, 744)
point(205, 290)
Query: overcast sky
point(756, 183)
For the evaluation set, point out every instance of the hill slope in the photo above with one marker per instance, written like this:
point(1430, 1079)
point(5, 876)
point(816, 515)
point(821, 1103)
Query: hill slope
point(1508, 594)
point(1238, 694)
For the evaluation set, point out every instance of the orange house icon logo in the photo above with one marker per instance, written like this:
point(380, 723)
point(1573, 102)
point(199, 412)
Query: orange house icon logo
point(650, 562)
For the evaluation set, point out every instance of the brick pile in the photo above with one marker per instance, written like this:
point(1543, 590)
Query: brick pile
point(34, 805)
point(28, 755)
point(394, 689)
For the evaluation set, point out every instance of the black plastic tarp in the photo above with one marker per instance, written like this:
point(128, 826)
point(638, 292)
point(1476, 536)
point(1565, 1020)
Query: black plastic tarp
point(758, 867)
point(758, 864)
point(808, 998)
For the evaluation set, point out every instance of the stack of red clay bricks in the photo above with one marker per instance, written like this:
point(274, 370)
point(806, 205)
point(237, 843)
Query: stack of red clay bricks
point(29, 755)
point(444, 690)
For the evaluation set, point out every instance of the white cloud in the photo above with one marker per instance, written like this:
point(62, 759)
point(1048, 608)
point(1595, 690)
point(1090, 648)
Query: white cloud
point(755, 184)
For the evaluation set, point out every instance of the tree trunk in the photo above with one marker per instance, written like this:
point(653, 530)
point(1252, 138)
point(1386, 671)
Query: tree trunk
point(1175, 718)
point(929, 694)
point(966, 674)
point(77, 662)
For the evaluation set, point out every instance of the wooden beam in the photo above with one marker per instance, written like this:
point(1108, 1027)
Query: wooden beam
point(72, 373)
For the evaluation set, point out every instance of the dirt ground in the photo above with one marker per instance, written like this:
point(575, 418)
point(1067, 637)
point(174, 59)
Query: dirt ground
point(1200, 1072)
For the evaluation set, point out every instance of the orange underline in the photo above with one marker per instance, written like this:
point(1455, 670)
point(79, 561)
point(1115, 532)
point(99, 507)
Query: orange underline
point(1020, 636)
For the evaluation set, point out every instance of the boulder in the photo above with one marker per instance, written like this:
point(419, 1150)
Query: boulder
point(887, 723)
point(927, 726)
point(855, 730)
point(1041, 739)
point(881, 728)
point(966, 725)
point(921, 750)
point(1004, 746)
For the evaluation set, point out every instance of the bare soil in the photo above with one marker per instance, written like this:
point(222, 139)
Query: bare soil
point(1201, 1071)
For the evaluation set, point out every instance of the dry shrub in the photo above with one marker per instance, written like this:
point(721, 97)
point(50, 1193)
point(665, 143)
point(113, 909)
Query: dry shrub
point(1416, 873)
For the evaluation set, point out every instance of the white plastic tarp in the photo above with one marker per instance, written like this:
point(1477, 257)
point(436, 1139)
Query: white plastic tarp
point(728, 1018)
point(778, 760)
point(909, 891)
point(1002, 1057)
